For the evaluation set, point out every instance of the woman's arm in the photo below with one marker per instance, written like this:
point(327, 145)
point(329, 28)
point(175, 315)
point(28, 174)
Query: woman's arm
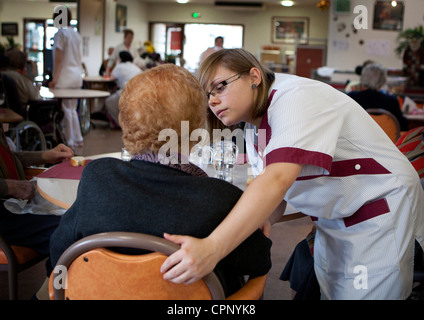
point(198, 257)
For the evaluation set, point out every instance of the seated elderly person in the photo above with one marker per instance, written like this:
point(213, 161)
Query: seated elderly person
point(27, 230)
point(152, 195)
point(373, 78)
point(122, 73)
point(16, 70)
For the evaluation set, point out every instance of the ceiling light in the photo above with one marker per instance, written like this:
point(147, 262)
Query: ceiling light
point(394, 3)
point(182, 1)
point(287, 3)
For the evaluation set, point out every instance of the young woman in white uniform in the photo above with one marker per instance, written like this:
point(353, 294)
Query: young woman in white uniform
point(67, 74)
point(324, 155)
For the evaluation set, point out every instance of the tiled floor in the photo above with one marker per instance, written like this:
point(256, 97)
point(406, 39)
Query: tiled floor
point(285, 236)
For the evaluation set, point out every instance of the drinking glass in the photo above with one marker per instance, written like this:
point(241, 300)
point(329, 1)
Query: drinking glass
point(125, 155)
point(225, 154)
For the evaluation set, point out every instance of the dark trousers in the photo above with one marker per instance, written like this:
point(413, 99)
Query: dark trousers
point(28, 230)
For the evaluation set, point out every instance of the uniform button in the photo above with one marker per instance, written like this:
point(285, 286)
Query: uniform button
point(357, 166)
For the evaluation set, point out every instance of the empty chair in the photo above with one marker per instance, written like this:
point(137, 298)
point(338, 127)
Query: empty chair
point(13, 260)
point(387, 121)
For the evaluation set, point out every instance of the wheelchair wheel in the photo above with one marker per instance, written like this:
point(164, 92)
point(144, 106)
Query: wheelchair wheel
point(28, 136)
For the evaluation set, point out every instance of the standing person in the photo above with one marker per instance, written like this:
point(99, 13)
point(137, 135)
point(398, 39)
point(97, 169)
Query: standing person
point(324, 155)
point(126, 45)
point(219, 44)
point(67, 74)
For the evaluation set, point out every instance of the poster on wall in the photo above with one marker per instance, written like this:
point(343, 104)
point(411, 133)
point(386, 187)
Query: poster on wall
point(120, 18)
point(388, 15)
point(9, 29)
point(290, 30)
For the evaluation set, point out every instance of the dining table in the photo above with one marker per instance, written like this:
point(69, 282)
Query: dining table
point(59, 184)
point(83, 94)
point(9, 116)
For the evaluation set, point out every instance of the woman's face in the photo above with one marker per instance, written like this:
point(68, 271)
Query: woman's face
point(128, 39)
point(231, 103)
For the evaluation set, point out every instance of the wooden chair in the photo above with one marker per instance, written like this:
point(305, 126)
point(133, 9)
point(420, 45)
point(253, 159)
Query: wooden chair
point(15, 259)
point(94, 272)
point(387, 121)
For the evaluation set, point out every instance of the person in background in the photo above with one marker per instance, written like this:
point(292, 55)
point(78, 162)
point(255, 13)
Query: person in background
point(122, 73)
point(126, 45)
point(67, 74)
point(103, 67)
point(15, 69)
point(219, 44)
point(355, 85)
point(309, 146)
point(27, 230)
point(373, 78)
point(149, 194)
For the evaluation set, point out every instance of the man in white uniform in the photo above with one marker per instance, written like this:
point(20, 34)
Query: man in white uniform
point(365, 202)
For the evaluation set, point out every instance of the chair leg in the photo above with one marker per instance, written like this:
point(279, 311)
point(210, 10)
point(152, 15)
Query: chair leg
point(13, 283)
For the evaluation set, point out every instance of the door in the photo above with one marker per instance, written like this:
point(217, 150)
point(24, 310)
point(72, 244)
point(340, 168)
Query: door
point(34, 45)
point(309, 58)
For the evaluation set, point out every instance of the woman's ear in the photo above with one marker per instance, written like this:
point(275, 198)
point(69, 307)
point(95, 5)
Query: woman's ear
point(255, 76)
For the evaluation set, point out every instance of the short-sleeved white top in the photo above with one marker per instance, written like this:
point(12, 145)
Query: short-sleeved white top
point(69, 42)
point(124, 72)
point(361, 191)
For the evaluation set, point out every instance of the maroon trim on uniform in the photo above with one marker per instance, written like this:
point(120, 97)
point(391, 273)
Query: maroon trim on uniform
point(301, 156)
point(264, 123)
point(366, 212)
point(345, 168)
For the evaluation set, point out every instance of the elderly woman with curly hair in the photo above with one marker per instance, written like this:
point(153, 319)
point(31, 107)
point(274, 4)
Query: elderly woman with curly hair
point(150, 196)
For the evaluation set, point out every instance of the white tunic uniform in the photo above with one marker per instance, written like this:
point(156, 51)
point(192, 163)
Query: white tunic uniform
point(69, 42)
point(361, 191)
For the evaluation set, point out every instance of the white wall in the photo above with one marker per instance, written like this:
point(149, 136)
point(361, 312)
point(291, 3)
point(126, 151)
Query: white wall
point(91, 30)
point(137, 21)
point(351, 53)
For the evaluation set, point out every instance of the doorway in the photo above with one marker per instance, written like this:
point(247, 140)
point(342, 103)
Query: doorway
point(38, 44)
point(186, 42)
